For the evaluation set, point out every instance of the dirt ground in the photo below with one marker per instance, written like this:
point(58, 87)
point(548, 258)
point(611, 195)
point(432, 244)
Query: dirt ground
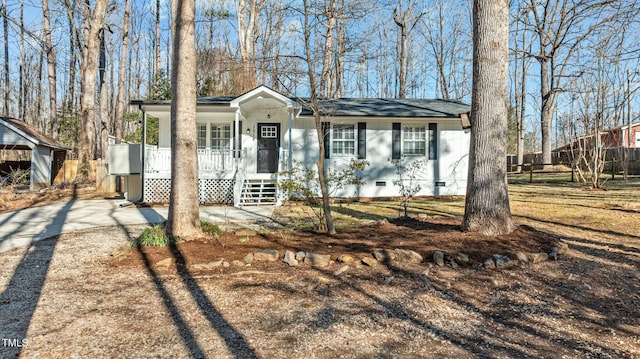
point(88, 294)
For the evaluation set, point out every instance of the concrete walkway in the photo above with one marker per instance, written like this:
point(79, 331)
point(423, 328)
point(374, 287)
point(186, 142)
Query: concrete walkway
point(23, 227)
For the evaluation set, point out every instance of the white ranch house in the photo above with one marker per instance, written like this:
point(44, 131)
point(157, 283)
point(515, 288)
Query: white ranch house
point(244, 141)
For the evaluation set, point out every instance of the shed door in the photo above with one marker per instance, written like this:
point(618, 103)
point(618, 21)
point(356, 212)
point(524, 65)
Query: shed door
point(268, 147)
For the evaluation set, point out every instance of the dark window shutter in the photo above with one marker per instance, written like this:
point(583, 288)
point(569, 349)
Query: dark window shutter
point(433, 141)
point(362, 140)
point(395, 140)
point(326, 137)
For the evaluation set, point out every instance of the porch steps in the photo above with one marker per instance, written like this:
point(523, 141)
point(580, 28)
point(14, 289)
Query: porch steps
point(256, 192)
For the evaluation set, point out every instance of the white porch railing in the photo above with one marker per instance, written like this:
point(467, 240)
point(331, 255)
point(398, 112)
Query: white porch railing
point(158, 160)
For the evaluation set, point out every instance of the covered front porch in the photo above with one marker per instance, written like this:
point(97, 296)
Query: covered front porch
point(243, 143)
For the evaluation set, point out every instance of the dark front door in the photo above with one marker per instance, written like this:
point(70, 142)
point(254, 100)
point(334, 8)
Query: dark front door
point(268, 147)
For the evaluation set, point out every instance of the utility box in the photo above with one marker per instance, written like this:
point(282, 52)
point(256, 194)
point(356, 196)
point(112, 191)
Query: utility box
point(124, 159)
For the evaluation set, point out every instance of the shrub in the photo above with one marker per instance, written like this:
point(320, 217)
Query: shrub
point(154, 236)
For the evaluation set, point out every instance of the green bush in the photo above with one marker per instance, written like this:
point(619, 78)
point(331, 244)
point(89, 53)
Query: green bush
point(154, 236)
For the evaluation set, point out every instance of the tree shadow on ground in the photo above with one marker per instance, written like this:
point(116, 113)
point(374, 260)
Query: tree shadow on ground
point(233, 339)
point(26, 285)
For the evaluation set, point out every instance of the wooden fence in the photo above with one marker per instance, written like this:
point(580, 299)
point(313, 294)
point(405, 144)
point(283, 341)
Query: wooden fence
point(104, 182)
point(613, 160)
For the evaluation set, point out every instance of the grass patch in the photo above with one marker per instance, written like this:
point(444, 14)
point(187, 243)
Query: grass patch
point(211, 229)
point(155, 236)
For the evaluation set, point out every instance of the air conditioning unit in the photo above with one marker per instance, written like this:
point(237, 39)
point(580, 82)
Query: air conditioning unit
point(124, 159)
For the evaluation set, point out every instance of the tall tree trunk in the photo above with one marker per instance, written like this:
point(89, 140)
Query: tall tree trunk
point(546, 115)
point(94, 23)
point(73, 59)
point(248, 20)
point(54, 126)
point(326, 85)
point(184, 215)
point(157, 71)
point(21, 68)
point(7, 82)
point(487, 202)
point(315, 106)
point(523, 104)
point(120, 105)
point(103, 117)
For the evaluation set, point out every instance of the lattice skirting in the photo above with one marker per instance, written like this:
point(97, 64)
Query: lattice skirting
point(156, 190)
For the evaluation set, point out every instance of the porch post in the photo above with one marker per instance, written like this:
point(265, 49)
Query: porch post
point(290, 154)
point(143, 152)
point(236, 139)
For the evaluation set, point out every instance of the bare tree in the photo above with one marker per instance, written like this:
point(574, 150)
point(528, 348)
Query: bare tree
point(314, 103)
point(93, 24)
point(184, 215)
point(248, 20)
point(560, 28)
point(7, 81)
point(487, 202)
point(120, 105)
point(51, 71)
point(406, 21)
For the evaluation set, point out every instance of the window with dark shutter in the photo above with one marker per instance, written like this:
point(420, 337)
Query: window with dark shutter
point(395, 140)
point(433, 141)
point(362, 140)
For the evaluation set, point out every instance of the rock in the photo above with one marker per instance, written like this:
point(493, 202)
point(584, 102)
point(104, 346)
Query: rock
point(245, 233)
point(538, 257)
point(503, 262)
point(165, 263)
point(438, 258)
point(407, 255)
point(237, 263)
point(290, 259)
point(317, 260)
point(489, 263)
point(462, 258)
point(300, 256)
point(371, 262)
point(341, 270)
point(522, 257)
point(208, 266)
point(345, 258)
point(554, 253)
point(452, 263)
point(384, 255)
point(248, 259)
point(266, 255)
point(226, 264)
point(563, 248)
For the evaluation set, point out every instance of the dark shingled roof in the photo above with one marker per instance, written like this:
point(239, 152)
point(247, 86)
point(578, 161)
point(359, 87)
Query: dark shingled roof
point(348, 107)
point(384, 107)
point(30, 131)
